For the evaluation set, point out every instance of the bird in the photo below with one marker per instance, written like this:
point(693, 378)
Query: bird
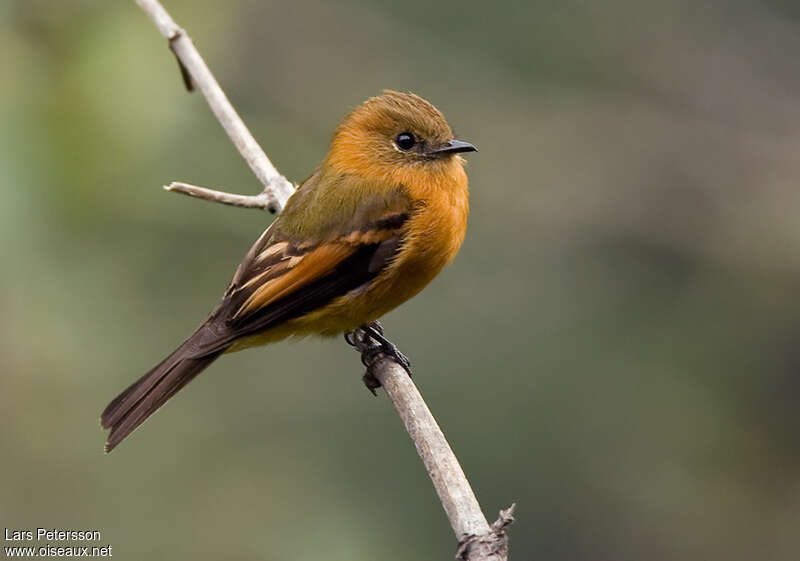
point(382, 214)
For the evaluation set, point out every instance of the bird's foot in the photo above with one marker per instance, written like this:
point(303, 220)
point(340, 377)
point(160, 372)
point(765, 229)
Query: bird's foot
point(370, 341)
point(384, 346)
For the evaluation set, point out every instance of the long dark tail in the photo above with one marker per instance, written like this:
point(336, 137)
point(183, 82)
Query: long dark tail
point(143, 398)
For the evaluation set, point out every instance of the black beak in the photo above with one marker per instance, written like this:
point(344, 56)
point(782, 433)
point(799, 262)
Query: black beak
point(454, 147)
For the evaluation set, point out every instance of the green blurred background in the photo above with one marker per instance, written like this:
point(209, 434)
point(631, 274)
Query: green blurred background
point(616, 348)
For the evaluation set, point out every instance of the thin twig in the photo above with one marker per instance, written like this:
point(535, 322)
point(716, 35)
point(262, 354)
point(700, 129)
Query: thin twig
point(277, 189)
point(261, 200)
point(478, 541)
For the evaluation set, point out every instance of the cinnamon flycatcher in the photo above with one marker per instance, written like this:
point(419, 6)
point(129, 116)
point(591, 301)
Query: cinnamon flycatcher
point(373, 224)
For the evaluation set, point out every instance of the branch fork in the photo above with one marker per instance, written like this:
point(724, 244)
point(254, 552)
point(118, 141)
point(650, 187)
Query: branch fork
point(493, 545)
point(277, 189)
point(478, 541)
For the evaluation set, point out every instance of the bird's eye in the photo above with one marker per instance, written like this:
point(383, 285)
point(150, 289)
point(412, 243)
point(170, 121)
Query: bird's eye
point(405, 141)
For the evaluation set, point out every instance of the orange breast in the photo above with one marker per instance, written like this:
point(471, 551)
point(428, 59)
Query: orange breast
point(433, 236)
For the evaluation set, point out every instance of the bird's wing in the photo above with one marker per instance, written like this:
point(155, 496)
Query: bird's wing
point(330, 239)
point(285, 276)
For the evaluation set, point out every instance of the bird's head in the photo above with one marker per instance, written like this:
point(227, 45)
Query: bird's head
point(395, 136)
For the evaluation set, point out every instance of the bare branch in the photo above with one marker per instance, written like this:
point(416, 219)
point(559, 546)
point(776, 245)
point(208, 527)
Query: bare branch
point(261, 200)
point(478, 541)
point(277, 189)
point(448, 478)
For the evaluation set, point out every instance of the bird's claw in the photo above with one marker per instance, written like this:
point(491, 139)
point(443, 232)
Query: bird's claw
point(371, 382)
point(370, 341)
